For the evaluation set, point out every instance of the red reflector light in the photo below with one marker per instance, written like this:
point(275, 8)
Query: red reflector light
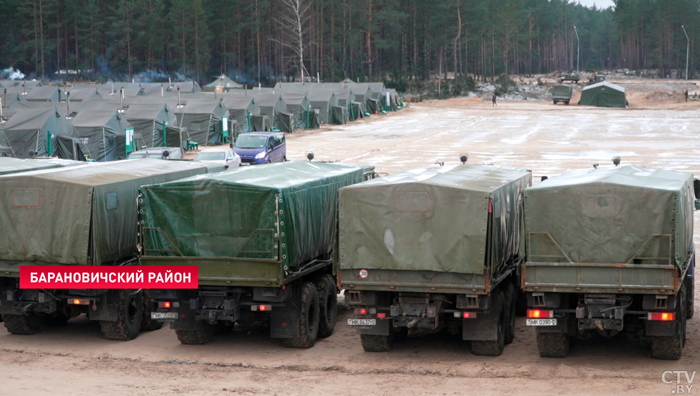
point(360, 311)
point(469, 315)
point(381, 315)
point(536, 313)
point(665, 316)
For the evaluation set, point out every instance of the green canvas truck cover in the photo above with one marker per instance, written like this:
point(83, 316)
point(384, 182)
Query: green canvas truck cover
point(233, 213)
point(561, 91)
point(433, 219)
point(83, 215)
point(15, 165)
point(624, 215)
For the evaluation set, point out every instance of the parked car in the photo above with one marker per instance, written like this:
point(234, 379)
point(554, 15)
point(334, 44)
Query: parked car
point(158, 153)
point(219, 156)
point(261, 147)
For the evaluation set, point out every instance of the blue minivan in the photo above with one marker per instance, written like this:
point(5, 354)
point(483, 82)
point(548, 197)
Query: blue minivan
point(261, 147)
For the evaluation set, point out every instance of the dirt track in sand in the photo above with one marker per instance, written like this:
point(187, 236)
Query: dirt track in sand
point(548, 139)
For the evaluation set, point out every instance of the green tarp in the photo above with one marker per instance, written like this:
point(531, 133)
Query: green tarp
point(84, 215)
point(340, 115)
point(434, 219)
point(15, 165)
point(286, 122)
point(233, 213)
point(260, 123)
point(603, 94)
point(610, 216)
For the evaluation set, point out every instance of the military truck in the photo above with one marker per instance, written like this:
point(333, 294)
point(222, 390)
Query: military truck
point(83, 215)
point(573, 77)
point(263, 240)
point(561, 93)
point(610, 251)
point(428, 249)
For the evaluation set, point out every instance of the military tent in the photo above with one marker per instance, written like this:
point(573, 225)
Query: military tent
point(222, 84)
point(298, 104)
point(102, 133)
point(185, 87)
point(81, 94)
point(149, 122)
point(270, 105)
point(16, 165)
point(241, 108)
point(345, 99)
point(362, 95)
point(202, 117)
point(323, 100)
point(10, 96)
point(44, 94)
point(27, 130)
point(603, 94)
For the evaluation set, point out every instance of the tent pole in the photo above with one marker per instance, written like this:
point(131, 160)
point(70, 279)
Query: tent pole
point(164, 145)
point(48, 143)
point(308, 108)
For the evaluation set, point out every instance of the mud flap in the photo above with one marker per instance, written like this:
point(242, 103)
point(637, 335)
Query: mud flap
point(654, 328)
point(284, 323)
point(566, 325)
point(383, 327)
point(105, 307)
point(186, 318)
point(483, 328)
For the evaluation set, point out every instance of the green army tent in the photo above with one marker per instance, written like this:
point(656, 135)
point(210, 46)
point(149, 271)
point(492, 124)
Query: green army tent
point(103, 133)
point(222, 84)
point(27, 130)
point(603, 94)
point(241, 108)
point(44, 94)
point(270, 105)
point(148, 121)
point(323, 100)
point(297, 104)
point(203, 119)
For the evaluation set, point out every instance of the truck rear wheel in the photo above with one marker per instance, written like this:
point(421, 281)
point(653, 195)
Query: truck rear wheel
point(308, 319)
point(377, 343)
point(129, 317)
point(328, 305)
point(553, 345)
point(671, 348)
point(148, 324)
point(510, 300)
point(203, 333)
point(494, 348)
point(23, 324)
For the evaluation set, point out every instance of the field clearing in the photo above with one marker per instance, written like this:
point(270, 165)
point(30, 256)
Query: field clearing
point(547, 139)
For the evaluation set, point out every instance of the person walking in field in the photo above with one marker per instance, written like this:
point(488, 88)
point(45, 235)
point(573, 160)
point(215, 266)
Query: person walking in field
point(493, 100)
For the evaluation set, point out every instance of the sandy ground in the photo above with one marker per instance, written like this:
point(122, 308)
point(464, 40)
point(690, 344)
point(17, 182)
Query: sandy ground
point(548, 139)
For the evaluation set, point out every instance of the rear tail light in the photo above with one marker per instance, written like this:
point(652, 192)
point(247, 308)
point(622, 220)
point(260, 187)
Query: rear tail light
point(360, 311)
point(663, 316)
point(381, 315)
point(468, 315)
point(78, 301)
point(537, 313)
point(261, 308)
point(164, 304)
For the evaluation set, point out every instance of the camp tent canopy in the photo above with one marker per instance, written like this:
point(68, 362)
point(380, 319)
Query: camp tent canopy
point(603, 94)
point(28, 130)
point(88, 214)
point(408, 221)
point(103, 133)
point(611, 214)
point(298, 105)
point(222, 84)
point(185, 87)
point(202, 118)
point(239, 108)
point(242, 201)
point(148, 120)
point(81, 94)
point(270, 105)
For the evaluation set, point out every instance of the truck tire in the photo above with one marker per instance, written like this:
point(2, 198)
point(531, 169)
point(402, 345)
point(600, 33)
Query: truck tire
point(494, 348)
point(328, 305)
point(555, 102)
point(553, 345)
point(203, 333)
point(671, 348)
point(510, 301)
point(129, 317)
point(566, 102)
point(148, 324)
point(377, 343)
point(690, 295)
point(308, 319)
point(23, 324)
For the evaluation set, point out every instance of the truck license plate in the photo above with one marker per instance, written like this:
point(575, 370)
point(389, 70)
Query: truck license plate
point(362, 322)
point(541, 322)
point(164, 315)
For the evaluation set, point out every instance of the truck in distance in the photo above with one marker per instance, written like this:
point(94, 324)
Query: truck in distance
point(618, 256)
point(561, 93)
point(263, 239)
point(435, 248)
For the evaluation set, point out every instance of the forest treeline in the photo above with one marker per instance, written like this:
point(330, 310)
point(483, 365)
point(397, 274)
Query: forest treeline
point(259, 40)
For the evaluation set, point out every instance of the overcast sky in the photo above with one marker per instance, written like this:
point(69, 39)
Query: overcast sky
point(597, 3)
